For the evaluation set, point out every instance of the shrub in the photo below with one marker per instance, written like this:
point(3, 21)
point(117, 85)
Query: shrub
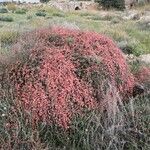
point(131, 47)
point(6, 19)
point(118, 4)
point(125, 47)
point(45, 1)
point(21, 11)
point(40, 13)
point(3, 10)
point(59, 73)
point(11, 7)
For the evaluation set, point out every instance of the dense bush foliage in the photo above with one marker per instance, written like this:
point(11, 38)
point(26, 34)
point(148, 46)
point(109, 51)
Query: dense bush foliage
point(57, 72)
point(6, 19)
point(3, 10)
point(40, 13)
point(21, 11)
point(118, 4)
point(44, 1)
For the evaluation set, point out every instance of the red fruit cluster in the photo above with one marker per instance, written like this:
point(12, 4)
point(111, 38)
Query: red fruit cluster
point(60, 72)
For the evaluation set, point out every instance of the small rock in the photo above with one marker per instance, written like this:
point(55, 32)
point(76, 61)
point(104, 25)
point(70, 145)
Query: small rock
point(145, 58)
point(133, 16)
point(138, 90)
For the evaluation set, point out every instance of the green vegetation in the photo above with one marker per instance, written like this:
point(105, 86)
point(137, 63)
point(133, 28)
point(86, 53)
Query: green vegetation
point(21, 11)
point(118, 4)
point(3, 10)
point(136, 35)
point(45, 1)
point(40, 13)
point(6, 19)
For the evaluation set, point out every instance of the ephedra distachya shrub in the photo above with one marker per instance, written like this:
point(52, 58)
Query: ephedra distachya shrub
point(58, 73)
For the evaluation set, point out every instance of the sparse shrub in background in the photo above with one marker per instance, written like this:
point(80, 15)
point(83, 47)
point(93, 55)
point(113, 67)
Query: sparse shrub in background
point(65, 72)
point(117, 4)
point(6, 19)
point(125, 47)
point(21, 11)
point(11, 7)
point(40, 13)
point(58, 14)
point(44, 1)
point(131, 47)
point(140, 40)
point(3, 10)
